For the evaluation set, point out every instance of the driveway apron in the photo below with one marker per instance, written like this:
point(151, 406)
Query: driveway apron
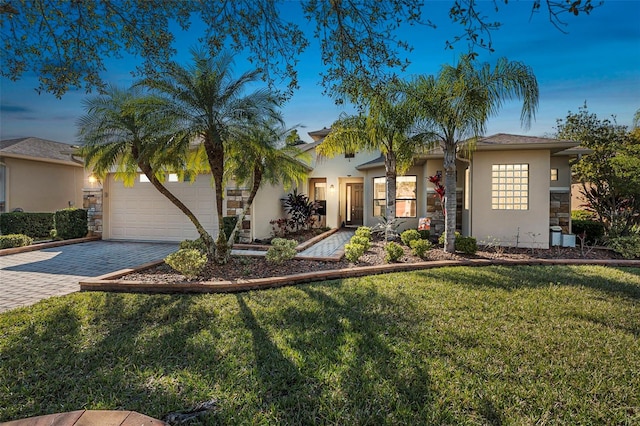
point(26, 278)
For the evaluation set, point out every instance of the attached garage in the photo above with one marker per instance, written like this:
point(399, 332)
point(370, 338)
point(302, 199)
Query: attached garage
point(141, 213)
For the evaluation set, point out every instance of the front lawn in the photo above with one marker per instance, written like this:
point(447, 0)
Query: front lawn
point(492, 345)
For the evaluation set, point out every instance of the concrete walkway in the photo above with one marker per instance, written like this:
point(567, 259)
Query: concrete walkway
point(26, 278)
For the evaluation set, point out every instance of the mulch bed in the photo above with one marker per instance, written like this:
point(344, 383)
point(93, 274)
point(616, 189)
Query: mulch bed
point(245, 267)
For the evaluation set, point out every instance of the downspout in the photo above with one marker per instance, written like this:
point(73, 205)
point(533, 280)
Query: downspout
point(470, 184)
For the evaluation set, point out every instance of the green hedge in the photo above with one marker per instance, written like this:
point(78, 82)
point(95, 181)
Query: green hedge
point(34, 225)
point(593, 229)
point(14, 240)
point(228, 223)
point(71, 223)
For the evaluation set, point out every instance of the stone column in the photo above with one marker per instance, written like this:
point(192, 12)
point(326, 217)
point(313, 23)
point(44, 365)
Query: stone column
point(560, 210)
point(92, 202)
point(236, 199)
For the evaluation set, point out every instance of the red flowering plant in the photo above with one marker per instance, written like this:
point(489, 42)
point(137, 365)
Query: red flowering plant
point(439, 188)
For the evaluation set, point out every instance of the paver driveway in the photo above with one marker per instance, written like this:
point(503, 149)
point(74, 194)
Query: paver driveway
point(26, 278)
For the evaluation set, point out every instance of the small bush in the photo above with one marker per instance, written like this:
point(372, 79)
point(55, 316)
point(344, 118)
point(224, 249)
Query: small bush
point(582, 215)
point(281, 250)
point(189, 262)
point(15, 240)
point(424, 234)
point(364, 231)
point(593, 230)
point(364, 241)
point(420, 247)
point(35, 225)
point(442, 237)
point(467, 245)
point(628, 247)
point(353, 251)
point(409, 235)
point(393, 252)
point(71, 223)
point(194, 245)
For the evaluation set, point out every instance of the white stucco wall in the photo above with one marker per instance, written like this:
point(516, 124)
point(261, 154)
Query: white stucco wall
point(526, 228)
point(266, 207)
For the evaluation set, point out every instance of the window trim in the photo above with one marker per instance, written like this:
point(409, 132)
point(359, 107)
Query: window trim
point(510, 186)
point(384, 199)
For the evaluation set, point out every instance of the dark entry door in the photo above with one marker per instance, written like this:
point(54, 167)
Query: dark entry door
point(354, 204)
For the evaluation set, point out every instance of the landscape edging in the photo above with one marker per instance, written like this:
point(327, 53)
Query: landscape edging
point(111, 283)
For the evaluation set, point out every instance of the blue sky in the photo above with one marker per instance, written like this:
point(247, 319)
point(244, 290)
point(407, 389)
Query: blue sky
point(597, 61)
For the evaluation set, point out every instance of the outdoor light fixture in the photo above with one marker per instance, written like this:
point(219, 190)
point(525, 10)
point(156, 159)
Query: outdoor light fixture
point(332, 189)
point(92, 178)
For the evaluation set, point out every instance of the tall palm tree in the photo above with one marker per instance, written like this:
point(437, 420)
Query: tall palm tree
point(213, 109)
point(386, 127)
point(456, 105)
point(122, 129)
point(259, 156)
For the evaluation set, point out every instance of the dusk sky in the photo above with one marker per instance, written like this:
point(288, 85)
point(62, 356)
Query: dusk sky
point(597, 61)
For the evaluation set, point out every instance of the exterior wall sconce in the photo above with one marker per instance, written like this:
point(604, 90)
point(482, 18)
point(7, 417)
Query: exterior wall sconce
point(93, 179)
point(332, 189)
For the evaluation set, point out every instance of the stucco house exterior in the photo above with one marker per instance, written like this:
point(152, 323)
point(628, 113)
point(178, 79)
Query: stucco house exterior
point(39, 175)
point(511, 189)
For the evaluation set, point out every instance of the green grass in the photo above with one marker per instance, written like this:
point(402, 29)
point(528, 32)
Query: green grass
point(494, 345)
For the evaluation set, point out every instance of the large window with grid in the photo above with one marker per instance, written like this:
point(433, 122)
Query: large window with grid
point(510, 186)
point(406, 204)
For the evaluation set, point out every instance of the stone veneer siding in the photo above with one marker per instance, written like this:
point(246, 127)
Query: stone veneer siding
point(236, 200)
point(434, 211)
point(92, 202)
point(560, 210)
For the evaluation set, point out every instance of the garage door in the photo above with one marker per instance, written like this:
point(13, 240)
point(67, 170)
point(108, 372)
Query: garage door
point(142, 213)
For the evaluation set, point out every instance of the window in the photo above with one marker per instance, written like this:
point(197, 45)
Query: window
point(510, 187)
point(349, 155)
point(554, 174)
point(173, 177)
point(3, 188)
point(406, 205)
point(143, 178)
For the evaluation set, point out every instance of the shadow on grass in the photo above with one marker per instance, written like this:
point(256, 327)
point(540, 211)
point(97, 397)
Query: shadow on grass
point(515, 277)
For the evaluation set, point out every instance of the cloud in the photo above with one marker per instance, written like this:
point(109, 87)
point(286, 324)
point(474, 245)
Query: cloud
point(15, 109)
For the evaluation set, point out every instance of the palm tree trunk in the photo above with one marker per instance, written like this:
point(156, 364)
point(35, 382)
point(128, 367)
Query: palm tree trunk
point(204, 235)
point(390, 181)
point(257, 180)
point(450, 197)
point(215, 154)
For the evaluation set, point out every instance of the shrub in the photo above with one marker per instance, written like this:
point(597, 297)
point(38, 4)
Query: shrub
point(353, 251)
point(409, 235)
point(420, 247)
point(593, 230)
point(194, 245)
point(442, 237)
point(424, 234)
point(301, 210)
point(364, 241)
point(229, 224)
point(393, 252)
point(364, 231)
point(15, 240)
point(467, 245)
point(628, 247)
point(582, 215)
point(387, 228)
point(71, 223)
point(281, 250)
point(189, 262)
point(35, 225)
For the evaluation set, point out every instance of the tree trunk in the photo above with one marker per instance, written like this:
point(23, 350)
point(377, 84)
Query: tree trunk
point(204, 235)
point(450, 197)
point(214, 148)
point(390, 181)
point(257, 180)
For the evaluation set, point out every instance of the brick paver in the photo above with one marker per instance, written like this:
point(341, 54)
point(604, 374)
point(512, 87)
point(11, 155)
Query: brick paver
point(26, 278)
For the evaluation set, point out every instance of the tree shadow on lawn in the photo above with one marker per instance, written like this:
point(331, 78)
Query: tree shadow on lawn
point(620, 282)
point(128, 360)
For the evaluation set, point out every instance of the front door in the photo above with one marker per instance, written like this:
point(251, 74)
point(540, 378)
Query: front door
point(354, 204)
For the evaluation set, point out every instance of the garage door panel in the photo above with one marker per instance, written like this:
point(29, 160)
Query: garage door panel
point(142, 213)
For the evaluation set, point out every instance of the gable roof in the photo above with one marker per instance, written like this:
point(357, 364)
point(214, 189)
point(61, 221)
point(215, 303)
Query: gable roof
point(39, 150)
point(504, 141)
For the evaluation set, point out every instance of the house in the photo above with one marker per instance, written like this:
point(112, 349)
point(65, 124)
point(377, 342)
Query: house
point(510, 191)
point(39, 175)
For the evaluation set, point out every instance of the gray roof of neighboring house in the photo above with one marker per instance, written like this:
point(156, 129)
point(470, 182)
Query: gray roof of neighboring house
point(39, 149)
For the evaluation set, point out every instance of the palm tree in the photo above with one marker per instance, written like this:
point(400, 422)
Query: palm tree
point(213, 109)
point(387, 127)
point(456, 105)
point(258, 156)
point(122, 129)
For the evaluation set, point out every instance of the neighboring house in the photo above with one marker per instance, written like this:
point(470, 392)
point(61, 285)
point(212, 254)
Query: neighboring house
point(39, 175)
point(510, 191)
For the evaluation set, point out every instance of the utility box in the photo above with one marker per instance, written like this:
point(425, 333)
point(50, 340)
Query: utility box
point(568, 240)
point(555, 235)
